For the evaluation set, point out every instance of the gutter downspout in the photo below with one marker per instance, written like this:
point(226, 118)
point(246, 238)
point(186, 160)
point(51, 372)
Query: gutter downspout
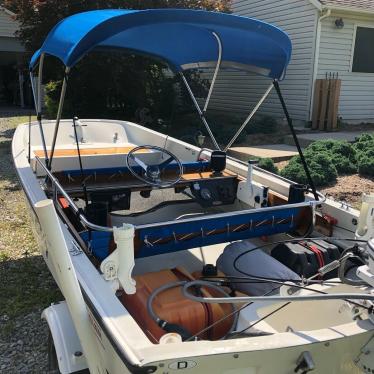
point(316, 59)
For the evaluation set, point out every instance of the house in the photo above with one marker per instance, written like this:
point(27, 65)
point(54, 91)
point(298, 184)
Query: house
point(328, 36)
point(11, 58)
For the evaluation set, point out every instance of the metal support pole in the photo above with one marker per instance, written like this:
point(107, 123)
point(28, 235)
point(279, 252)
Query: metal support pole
point(29, 145)
point(59, 113)
point(201, 114)
point(231, 142)
point(38, 103)
point(20, 83)
point(33, 94)
point(75, 119)
point(289, 121)
point(40, 79)
point(215, 71)
point(33, 91)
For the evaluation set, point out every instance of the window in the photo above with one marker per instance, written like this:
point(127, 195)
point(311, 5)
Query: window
point(363, 57)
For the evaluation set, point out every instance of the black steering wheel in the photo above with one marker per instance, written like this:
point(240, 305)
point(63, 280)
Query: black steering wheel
point(154, 165)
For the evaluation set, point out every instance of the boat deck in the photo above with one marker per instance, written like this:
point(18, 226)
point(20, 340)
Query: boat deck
point(68, 152)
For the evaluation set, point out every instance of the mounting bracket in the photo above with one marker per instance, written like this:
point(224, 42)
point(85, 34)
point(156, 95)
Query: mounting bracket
point(120, 263)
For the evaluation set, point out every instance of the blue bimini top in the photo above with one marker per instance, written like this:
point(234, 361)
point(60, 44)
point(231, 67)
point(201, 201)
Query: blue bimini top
point(182, 38)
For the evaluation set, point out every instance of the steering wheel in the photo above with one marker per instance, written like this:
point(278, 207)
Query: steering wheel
point(154, 165)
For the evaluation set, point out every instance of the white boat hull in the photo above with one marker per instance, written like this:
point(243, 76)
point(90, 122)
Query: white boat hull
point(122, 345)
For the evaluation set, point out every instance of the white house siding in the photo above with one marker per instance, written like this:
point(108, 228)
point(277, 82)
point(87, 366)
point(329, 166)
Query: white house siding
point(10, 45)
point(8, 40)
point(237, 91)
point(8, 26)
point(336, 50)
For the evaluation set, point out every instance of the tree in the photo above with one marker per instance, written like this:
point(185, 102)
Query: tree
point(37, 17)
point(131, 83)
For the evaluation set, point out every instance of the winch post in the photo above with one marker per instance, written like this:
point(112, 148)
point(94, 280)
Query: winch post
point(120, 263)
point(365, 227)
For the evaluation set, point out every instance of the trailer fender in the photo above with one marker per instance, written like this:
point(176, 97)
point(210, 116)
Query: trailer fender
point(68, 348)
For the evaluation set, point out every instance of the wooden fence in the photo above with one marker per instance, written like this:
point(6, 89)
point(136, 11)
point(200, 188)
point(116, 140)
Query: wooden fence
point(326, 103)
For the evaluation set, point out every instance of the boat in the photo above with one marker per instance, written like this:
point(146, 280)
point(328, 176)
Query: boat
point(176, 258)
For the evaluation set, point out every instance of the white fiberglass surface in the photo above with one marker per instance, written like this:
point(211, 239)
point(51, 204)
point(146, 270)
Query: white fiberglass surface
point(87, 130)
point(192, 259)
point(312, 315)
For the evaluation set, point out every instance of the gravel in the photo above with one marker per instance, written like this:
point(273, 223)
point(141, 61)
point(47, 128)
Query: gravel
point(26, 286)
point(25, 349)
point(349, 189)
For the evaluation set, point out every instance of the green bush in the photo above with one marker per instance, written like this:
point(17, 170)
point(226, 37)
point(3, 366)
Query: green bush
point(366, 166)
point(262, 125)
point(365, 138)
point(268, 164)
point(185, 126)
point(52, 91)
point(322, 169)
point(328, 158)
point(321, 145)
point(364, 147)
point(345, 149)
point(295, 172)
point(343, 164)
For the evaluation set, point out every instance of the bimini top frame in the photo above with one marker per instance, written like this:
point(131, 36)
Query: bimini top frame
point(184, 39)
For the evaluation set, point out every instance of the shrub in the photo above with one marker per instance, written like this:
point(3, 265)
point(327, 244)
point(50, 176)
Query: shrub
point(345, 149)
point(224, 126)
point(365, 138)
point(262, 125)
point(328, 158)
point(366, 166)
point(268, 164)
point(364, 148)
point(52, 90)
point(343, 164)
point(321, 145)
point(322, 169)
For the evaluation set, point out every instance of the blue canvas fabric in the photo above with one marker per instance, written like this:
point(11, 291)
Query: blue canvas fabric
point(182, 38)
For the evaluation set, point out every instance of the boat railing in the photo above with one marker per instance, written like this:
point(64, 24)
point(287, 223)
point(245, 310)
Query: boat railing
point(57, 188)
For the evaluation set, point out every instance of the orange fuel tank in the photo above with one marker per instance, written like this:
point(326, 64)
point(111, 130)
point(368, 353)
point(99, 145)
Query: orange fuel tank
point(173, 307)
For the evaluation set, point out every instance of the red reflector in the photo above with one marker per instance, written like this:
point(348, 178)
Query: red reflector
point(63, 202)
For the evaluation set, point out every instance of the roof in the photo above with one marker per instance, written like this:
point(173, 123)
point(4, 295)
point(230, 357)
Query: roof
point(183, 38)
point(364, 5)
point(8, 23)
point(7, 11)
